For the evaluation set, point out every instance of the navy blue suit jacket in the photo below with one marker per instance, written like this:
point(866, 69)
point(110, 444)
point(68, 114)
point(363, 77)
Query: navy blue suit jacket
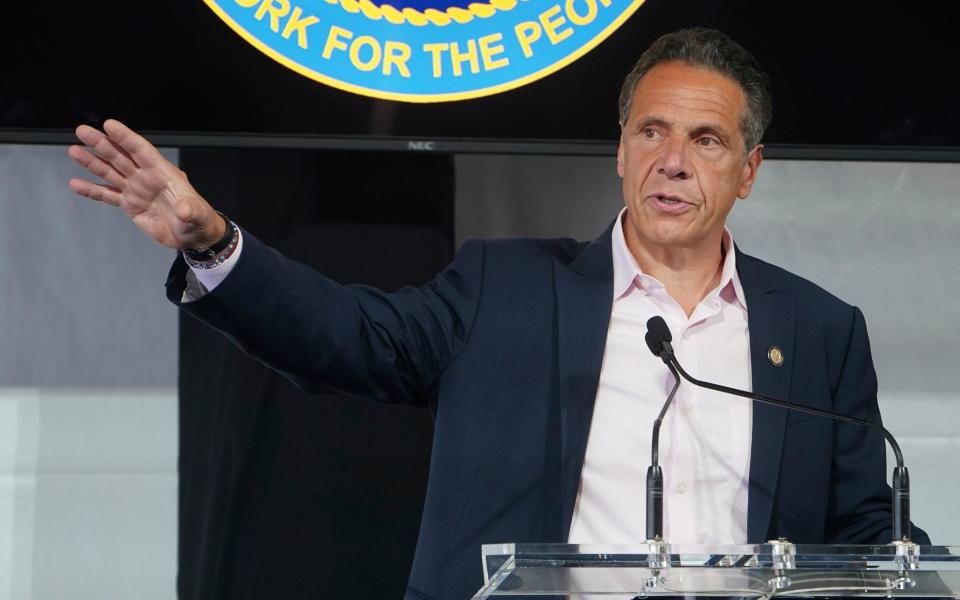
point(505, 348)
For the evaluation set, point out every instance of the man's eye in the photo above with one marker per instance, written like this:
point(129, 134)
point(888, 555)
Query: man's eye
point(648, 132)
point(708, 142)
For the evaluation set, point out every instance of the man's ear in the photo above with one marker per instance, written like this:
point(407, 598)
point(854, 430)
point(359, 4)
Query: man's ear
point(620, 157)
point(749, 173)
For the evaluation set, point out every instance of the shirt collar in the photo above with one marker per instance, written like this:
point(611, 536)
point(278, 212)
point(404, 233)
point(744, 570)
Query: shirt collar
point(627, 273)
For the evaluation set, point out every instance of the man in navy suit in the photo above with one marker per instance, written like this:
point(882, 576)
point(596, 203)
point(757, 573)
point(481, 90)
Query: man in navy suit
point(522, 348)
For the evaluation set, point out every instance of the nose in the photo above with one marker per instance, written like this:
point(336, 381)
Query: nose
point(673, 162)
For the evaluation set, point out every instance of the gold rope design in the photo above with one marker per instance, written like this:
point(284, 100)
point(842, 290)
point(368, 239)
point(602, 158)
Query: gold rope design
point(431, 16)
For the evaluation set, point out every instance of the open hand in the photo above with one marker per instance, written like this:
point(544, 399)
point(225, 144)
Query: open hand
point(153, 192)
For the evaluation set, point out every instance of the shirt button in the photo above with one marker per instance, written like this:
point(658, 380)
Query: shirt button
point(681, 488)
point(685, 409)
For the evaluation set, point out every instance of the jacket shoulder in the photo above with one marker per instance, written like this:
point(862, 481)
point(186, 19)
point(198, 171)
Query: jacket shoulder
point(807, 294)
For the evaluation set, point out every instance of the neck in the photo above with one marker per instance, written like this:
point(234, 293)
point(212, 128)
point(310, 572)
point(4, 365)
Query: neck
point(688, 273)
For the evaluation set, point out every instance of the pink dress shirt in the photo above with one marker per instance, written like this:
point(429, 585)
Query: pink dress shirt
point(705, 438)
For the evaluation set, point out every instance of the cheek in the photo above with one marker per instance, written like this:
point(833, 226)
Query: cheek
point(719, 187)
point(635, 168)
point(633, 184)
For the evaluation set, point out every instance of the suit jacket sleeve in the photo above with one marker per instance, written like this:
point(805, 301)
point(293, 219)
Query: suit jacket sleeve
point(353, 339)
point(860, 502)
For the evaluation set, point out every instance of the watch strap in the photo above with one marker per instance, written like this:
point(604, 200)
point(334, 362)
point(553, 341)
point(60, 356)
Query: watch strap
point(211, 252)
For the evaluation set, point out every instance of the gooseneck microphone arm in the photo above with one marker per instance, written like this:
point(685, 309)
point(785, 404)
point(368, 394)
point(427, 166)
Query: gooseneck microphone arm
point(658, 339)
point(655, 445)
point(654, 472)
point(791, 406)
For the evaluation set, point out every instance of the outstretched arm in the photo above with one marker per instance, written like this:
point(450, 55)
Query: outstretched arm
point(354, 339)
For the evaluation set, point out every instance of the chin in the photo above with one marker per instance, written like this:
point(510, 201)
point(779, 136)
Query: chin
point(664, 233)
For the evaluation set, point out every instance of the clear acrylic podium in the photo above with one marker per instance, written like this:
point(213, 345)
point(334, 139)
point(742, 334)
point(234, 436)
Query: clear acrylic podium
point(763, 571)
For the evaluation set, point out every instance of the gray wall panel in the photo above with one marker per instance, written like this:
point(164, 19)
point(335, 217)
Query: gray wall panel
point(88, 402)
point(883, 236)
point(82, 290)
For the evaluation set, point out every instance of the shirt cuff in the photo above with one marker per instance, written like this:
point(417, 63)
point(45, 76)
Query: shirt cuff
point(209, 279)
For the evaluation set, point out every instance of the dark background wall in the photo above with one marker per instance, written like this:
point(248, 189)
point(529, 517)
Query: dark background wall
point(285, 495)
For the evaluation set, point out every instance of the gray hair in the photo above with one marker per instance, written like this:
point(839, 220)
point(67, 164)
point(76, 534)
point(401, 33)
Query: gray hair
point(713, 50)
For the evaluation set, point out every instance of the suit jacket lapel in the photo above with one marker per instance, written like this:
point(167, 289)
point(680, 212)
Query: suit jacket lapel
point(771, 319)
point(584, 293)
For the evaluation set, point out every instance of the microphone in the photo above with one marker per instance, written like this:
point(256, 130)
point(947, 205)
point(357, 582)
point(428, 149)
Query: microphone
point(658, 339)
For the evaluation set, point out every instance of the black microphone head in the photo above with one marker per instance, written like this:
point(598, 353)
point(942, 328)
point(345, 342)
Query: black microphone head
point(657, 334)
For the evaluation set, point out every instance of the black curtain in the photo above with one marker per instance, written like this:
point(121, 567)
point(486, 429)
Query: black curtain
point(284, 494)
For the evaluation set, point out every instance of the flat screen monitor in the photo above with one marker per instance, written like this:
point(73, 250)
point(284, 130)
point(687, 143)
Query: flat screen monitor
point(878, 76)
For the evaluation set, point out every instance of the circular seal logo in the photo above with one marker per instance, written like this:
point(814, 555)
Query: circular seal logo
point(424, 50)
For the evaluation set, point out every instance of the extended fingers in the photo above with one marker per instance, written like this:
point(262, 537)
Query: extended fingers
point(108, 149)
point(95, 165)
point(100, 193)
point(142, 151)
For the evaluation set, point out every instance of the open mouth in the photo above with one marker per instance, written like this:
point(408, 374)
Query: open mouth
point(670, 204)
point(669, 200)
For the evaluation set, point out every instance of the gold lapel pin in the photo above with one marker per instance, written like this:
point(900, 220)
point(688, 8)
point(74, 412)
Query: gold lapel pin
point(775, 354)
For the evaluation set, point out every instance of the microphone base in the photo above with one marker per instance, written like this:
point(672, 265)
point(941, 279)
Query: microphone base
point(658, 554)
point(783, 554)
point(783, 558)
point(907, 556)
